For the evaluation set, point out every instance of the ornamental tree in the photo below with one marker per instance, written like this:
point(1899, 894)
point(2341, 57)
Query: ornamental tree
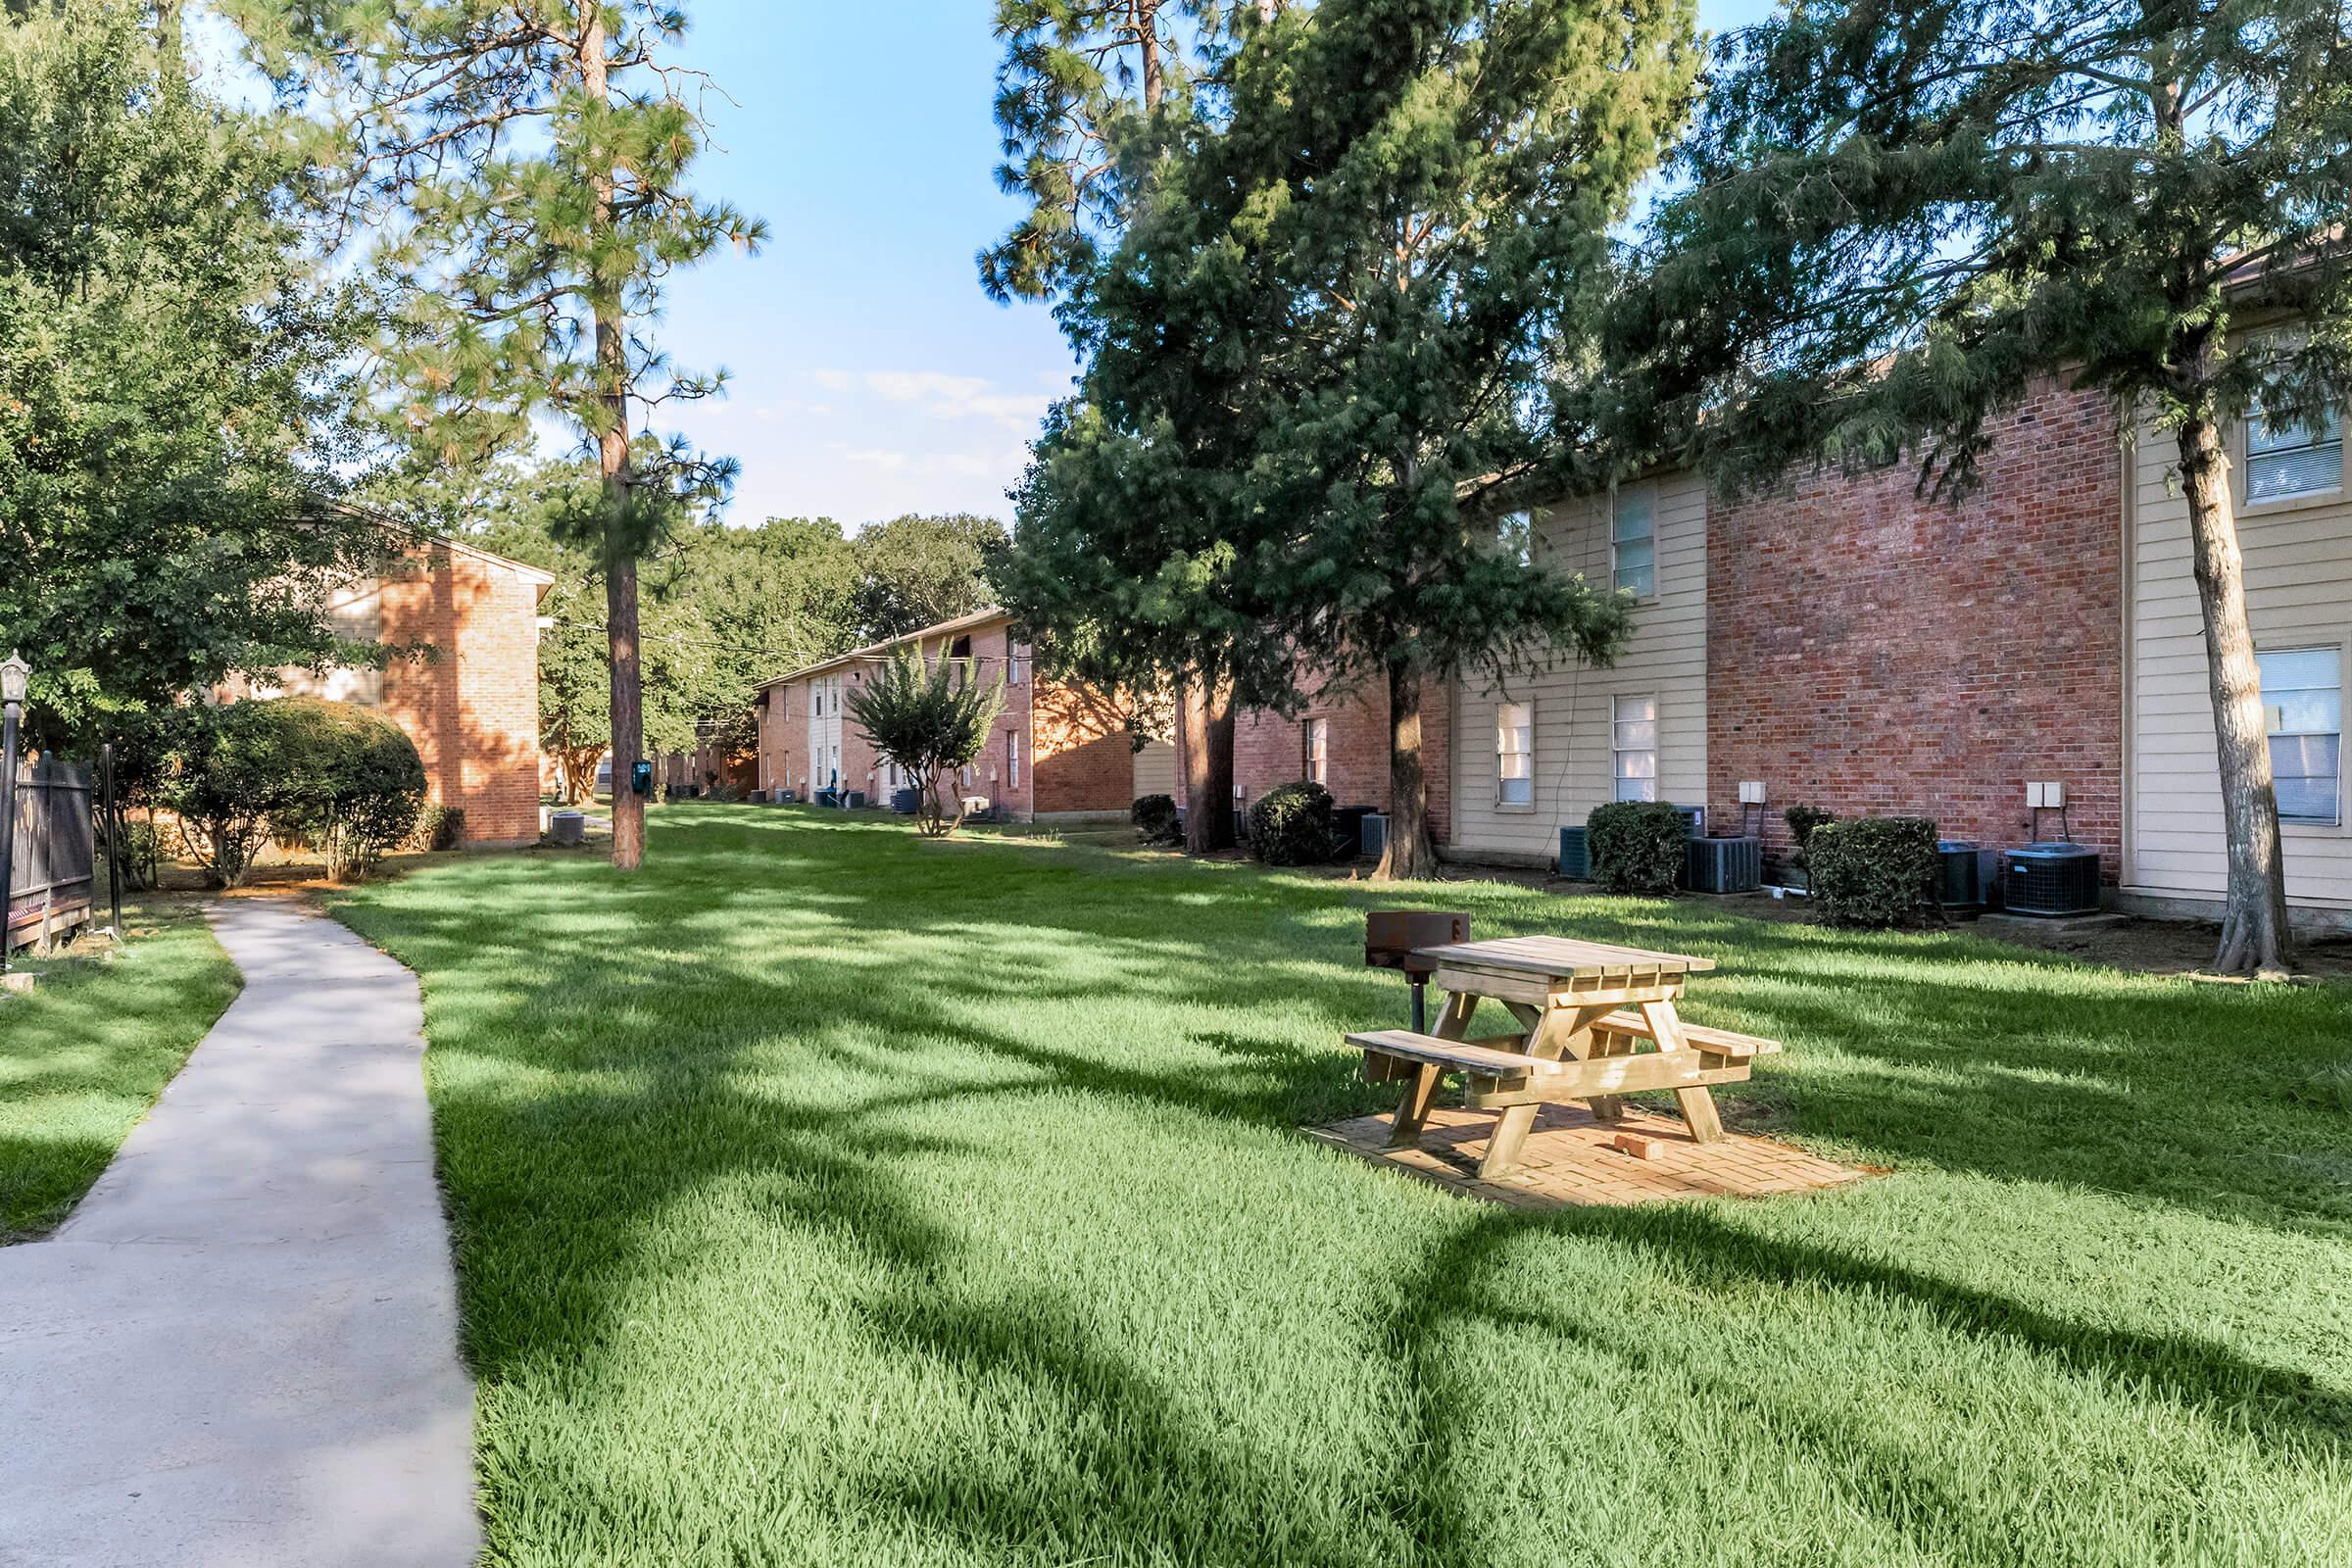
point(1898, 216)
point(930, 716)
point(521, 169)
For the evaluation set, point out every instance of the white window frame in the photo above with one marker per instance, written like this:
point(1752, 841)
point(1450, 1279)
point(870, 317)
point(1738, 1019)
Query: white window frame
point(1649, 498)
point(1013, 759)
point(1514, 746)
point(1314, 752)
point(1522, 523)
point(2334, 654)
point(1016, 662)
point(1645, 785)
point(2315, 438)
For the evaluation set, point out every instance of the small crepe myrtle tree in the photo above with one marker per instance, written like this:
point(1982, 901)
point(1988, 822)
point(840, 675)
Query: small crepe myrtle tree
point(930, 716)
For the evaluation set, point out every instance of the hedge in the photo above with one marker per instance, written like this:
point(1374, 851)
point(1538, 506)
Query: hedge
point(1873, 871)
point(1292, 825)
point(1155, 819)
point(1637, 846)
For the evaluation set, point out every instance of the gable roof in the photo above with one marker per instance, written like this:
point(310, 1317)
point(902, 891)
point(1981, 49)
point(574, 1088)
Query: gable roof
point(873, 652)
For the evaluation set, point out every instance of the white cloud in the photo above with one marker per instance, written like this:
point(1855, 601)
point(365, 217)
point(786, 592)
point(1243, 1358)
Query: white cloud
point(831, 380)
point(961, 396)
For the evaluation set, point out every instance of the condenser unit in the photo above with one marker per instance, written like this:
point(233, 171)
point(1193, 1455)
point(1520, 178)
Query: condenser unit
point(1695, 816)
point(854, 800)
point(1372, 835)
point(1966, 876)
point(2052, 878)
point(1725, 865)
point(1576, 856)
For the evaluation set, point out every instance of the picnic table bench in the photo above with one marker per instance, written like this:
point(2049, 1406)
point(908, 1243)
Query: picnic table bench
point(1591, 1021)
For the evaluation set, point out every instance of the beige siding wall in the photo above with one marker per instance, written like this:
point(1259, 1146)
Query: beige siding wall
point(2298, 566)
point(1666, 657)
point(1155, 769)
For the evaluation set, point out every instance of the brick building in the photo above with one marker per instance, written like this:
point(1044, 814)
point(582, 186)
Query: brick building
point(1845, 642)
point(469, 698)
point(1058, 752)
point(1340, 740)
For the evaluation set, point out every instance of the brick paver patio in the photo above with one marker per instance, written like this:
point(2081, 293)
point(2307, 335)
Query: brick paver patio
point(1572, 1160)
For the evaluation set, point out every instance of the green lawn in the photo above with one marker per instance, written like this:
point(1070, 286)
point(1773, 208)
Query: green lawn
point(828, 1197)
point(84, 1053)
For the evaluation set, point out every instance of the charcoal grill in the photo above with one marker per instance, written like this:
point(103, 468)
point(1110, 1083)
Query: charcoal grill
point(1394, 940)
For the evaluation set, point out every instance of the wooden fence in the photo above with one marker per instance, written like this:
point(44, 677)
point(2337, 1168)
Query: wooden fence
point(52, 870)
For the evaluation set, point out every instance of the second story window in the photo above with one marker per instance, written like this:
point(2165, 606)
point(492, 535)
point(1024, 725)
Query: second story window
point(1633, 542)
point(2284, 461)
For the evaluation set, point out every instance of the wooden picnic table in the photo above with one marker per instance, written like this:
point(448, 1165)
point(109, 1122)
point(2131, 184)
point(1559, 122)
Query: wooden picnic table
point(1591, 1021)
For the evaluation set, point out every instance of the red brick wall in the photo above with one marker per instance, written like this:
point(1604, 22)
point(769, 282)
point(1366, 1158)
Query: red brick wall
point(473, 709)
point(1269, 750)
point(1880, 654)
point(1074, 753)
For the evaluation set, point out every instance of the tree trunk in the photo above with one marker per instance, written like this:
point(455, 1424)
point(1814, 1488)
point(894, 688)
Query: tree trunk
point(1207, 764)
point(1410, 854)
point(2254, 922)
point(612, 463)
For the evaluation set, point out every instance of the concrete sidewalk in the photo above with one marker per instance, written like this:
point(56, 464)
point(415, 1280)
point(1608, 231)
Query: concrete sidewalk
point(242, 1347)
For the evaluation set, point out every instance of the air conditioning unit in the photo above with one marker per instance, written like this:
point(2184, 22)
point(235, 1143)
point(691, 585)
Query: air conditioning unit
point(854, 800)
point(1576, 856)
point(904, 801)
point(1348, 828)
point(1372, 835)
point(787, 797)
point(1966, 877)
point(2051, 878)
point(1725, 865)
point(1697, 817)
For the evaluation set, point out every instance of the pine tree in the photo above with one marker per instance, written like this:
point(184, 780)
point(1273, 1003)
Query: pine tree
point(521, 169)
point(1900, 214)
point(1092, 97)
point(1409, 277)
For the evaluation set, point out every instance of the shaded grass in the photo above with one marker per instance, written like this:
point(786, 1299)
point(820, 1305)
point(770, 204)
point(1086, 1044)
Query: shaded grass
point(86, 1050)
point(825, 1196)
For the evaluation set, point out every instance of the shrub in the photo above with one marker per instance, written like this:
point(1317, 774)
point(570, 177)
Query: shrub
point(355, 785)
point(1637, 846)
point(1155, 819)
point(1802, 821)
point(1873, 871)
point(139, 849)
point(438, 828)
point(923, 711)
point(228, 775)
point(333, 776)
point(1290, 825)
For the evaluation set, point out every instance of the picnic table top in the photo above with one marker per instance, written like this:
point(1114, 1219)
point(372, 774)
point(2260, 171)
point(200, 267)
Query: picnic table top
point(1562, 957)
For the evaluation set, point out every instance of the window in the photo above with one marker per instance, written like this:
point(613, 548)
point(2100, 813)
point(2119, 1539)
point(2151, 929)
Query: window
point(1315, 751)
point(1013, 759)
point(1016, 663)
point(816, 698)
point(2293, 460)
point(1516, 537)
point(2302, 706)
point(1634, 738)
point(1515, 756)
point(1633, 543)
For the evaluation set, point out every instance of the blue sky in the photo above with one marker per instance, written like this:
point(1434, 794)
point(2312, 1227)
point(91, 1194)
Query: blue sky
point(872, 376)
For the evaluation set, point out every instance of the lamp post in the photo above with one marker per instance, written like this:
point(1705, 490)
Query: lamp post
point(14, 673)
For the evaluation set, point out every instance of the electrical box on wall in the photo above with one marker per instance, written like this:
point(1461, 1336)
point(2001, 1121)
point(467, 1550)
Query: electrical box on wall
point(2045, 797)
point(1751, 792)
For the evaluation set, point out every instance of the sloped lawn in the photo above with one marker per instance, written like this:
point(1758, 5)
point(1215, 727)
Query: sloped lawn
point(83, 1054)
point(828, 1197)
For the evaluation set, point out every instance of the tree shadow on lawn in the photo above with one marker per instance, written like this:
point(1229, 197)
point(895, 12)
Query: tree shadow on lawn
point(1944, 1049)
point(801, 1079)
